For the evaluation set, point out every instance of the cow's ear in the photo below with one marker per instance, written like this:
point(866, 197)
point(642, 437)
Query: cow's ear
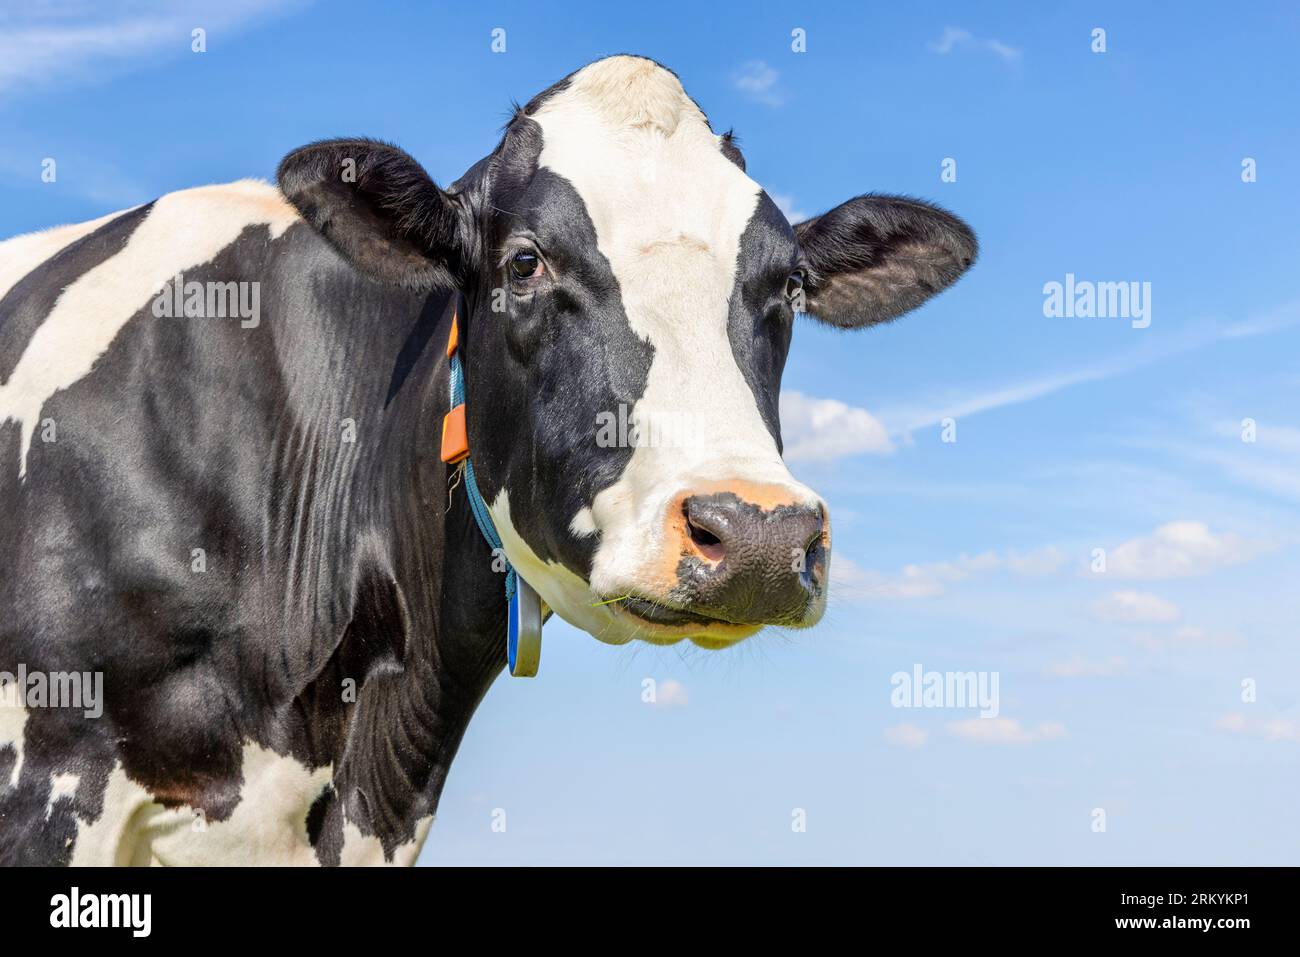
point(876, 257)
point(379, 208)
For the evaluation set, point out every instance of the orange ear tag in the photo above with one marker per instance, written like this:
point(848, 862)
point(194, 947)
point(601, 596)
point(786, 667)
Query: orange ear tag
point(455, 436)
point(453, 339)
point(455, 439)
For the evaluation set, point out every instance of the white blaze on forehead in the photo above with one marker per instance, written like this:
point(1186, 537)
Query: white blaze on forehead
point(182, 231)
point(669, 210)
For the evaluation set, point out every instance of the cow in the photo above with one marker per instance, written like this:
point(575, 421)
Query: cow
point(241, 517)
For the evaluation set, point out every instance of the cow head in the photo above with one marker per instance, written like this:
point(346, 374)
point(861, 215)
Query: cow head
point(631, 295)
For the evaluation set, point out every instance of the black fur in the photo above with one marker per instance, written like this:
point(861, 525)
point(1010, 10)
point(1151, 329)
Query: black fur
point(333, 564)
point(875, 258)
point(379, 208)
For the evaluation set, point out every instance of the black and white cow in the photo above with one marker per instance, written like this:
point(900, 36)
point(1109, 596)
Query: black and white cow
point(245, 526)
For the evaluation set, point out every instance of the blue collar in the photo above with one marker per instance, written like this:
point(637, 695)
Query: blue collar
point(523, 605)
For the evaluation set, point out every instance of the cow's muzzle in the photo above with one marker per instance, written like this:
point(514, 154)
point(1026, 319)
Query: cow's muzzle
point(746, 564)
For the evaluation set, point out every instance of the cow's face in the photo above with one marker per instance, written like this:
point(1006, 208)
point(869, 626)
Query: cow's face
point(631, 295)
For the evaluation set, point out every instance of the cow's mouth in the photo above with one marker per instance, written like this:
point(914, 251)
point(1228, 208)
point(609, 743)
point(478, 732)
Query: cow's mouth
point(660, 614)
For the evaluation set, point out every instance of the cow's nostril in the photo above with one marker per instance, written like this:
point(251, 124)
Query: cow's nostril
point(705, 541)
point(702, 536)
point(814, 555)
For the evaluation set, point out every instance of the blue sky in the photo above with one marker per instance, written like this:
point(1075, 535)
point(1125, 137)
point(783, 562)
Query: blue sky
point(1120, 690)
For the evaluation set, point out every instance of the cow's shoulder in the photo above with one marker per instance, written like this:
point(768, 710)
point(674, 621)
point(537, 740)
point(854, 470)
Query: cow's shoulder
point(248, 201)
point(253, 200)
point(21, 254)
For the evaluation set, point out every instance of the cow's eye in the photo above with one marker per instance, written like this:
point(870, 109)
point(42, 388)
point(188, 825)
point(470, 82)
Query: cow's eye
point(794, 285)
point(526, 264)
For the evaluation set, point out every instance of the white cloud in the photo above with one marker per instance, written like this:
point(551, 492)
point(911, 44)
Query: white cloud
point(956, 38)
point(927, 580)
point(823, 430)
point(913, 581)
point(1044, 561)
point(1076, 666)
point(1003, 731)
point(1188, 637)
point(1134, 606)
point(906, 736)
point(1270, 729)
point(851, 582)
point(1179, 550)
point(671, 693)
point(48, 42)
point(758, 81)
point(786, 204)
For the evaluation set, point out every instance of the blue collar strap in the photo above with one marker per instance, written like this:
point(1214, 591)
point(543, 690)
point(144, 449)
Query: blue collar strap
point(523, 605)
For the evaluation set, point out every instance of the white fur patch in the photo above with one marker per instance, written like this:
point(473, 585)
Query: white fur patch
point(13, 726)
point(267, 827)
point(669, 210)
point(183, 230)
point(61, 786)
point(583, 523)
point(567, 594)
point(22, 254)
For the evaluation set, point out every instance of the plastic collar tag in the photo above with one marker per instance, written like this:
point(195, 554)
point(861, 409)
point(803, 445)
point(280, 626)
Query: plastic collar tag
point(524, 612)
point(524, 630)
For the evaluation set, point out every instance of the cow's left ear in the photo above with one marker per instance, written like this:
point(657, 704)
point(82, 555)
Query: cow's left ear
point(876, 257)
point(379, 208)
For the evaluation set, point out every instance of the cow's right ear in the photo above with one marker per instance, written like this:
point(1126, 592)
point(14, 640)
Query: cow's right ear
point(380, 209)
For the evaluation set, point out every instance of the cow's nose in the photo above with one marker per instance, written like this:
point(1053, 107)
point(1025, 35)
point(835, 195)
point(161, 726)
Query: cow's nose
point(753, 564)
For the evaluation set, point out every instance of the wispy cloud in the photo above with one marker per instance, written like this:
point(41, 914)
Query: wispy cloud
point(1003, 731)
point(1275, 728)
point(1188, 638)
point(851, 582)
point(1077, 666)
point(906, 736)
point(46, 43)
point(1178, 549)
point(1269, 463)
point(760, 83)
point(1287, 314)
point(904, 418)
point(1134, 606)
point(956, 38)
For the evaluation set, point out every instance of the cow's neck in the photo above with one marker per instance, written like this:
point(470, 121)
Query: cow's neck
point(424, 637)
